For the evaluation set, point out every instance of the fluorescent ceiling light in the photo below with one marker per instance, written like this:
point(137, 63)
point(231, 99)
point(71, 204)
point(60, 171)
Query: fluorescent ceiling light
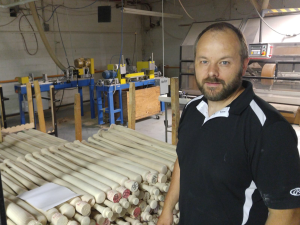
point(150, 13)
point(11, 3)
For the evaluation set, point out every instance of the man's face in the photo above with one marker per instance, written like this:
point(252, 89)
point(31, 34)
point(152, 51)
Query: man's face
point(218, 64)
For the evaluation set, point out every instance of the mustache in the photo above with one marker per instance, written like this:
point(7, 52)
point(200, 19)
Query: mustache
point(213, 80)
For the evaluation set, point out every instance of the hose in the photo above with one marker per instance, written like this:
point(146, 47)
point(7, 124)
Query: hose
point(43, 36)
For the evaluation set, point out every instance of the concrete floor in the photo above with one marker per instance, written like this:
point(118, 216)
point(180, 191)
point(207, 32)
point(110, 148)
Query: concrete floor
point(66, 126)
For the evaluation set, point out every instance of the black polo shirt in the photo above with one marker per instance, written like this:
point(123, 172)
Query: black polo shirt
point(237, 163)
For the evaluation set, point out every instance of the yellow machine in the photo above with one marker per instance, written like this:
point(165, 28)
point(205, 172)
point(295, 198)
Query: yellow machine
point(147, 66)
point(145, 69)
point(131, 75)
point(85, 66)
point(23, 80)
point(121, 71)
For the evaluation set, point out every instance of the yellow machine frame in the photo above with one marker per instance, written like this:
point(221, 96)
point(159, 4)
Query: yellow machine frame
point(91, 67)
point(111, 67)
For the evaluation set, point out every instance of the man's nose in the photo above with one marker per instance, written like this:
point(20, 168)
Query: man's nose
point(213, 70)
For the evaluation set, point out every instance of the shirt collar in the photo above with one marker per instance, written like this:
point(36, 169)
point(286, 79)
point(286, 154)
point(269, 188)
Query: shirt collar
point(236, 107)
point(239, 104)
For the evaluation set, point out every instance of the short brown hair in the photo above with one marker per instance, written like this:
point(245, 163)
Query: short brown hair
point(222, 26)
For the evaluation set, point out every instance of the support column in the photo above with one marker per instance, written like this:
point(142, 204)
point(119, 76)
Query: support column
point(53, 110)
point(175, 109)
point(81, 100)
point(92, 102)
point(29, 101)
point(22, 115)
point(99, 106)
point(77, 118)
point(39, 106)
point(131, 106)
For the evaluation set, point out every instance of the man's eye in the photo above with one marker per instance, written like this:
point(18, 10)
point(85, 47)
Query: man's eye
point(224, 62)
point(203, 62)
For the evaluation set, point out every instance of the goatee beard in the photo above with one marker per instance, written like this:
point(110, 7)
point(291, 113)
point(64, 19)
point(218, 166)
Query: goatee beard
point(227, 89)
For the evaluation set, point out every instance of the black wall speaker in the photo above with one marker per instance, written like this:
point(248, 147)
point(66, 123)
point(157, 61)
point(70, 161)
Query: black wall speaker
point(104, 14)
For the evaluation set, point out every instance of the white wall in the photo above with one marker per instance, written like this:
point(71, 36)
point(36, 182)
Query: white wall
point(204, 10)
point(103, 40)
point(89, 39)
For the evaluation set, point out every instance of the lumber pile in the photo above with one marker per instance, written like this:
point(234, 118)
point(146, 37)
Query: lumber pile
point(121, 176)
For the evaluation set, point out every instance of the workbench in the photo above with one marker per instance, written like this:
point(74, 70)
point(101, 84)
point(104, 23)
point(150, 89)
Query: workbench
point(21, 90)
point(109, 90)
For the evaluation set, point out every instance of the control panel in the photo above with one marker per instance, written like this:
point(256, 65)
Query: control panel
point(260, 51)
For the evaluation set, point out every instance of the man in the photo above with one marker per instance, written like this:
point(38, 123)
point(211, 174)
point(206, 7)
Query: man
point(238, 161)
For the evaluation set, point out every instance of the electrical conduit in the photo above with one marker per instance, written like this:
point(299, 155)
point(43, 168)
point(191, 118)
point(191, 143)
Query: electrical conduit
point(43, 36)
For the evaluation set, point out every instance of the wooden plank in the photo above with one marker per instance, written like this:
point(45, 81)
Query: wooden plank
point(39, 105)
point(290, 117)
point(30, 103)
point(53, 110)
point(77, 117)
point(146, 101)
point(175, 109)
point(1, 139)
point(52, 104)
point(131, 106)
point(2, 117)
point(297, 117)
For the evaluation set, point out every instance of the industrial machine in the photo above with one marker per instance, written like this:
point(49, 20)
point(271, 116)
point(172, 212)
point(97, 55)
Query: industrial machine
point(122, 74)
point(273, 68)
point(260, 51)
point(84, 66)
point(120, 71)
point(283, 51)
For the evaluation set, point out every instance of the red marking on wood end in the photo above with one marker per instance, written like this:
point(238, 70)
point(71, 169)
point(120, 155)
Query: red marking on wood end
point(116, 198)
point(106, 222)
point(137, 212)
point(126, 193)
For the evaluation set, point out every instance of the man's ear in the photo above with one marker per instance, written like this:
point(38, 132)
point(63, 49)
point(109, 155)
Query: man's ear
point(245, 65)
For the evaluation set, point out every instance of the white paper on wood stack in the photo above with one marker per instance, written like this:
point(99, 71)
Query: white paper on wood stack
point(47, 196)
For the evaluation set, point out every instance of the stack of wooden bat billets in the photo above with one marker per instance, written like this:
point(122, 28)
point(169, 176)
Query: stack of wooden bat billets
point(121, 176)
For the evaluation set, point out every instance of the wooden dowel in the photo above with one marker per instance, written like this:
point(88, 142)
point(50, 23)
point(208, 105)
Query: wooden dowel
point(141, 136)
point(131, 107)
point(175, 109)
point(39, 104)
point(77, 117)
point(30, 104)
point(53, 109)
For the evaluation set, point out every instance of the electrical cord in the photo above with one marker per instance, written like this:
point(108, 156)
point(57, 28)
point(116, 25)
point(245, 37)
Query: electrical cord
point(186, 11)
point(134, 48)
point(24, 40)
point(287, 35)
point(62, 97)
point(121, 48)
point(121, 37)
point(163, 36)
point(70, 35)
point(69, 8)
point(112, 58)
point(9, 22)
point(62, 40)
point(173, 35)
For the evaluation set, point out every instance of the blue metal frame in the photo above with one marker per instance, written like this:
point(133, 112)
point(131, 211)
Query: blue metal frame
point(110, 89)
point(21, 90)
